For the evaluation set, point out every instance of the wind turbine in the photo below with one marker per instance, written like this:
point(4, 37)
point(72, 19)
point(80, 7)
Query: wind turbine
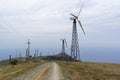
point(64, 42)
point(75, 52)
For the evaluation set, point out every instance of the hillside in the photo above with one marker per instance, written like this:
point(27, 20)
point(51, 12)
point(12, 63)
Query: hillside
point(90, 71)
point(8, 71)
point(69, 70)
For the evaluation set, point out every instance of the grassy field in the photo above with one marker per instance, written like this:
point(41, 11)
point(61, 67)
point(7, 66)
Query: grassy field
point(90, 71)
point(71, 70)
point(7, 72)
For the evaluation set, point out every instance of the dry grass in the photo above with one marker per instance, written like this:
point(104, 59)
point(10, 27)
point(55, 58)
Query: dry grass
point(8, 72)
point(90, 71)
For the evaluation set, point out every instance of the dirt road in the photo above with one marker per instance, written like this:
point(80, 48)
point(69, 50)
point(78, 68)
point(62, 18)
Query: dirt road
point(54, 73)
point(48, 71)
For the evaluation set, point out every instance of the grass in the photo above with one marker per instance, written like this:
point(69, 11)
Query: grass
point(70, 70)
point(90, 71)
point(8, 72)
point(4, 62)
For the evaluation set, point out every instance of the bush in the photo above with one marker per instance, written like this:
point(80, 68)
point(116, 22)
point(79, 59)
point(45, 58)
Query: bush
point(13, 62)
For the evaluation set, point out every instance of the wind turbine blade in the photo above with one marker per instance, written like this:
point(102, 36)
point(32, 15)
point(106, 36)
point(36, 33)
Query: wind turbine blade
point(74, 16)
point(81, 26)
point(81, 8)
point(65, 42)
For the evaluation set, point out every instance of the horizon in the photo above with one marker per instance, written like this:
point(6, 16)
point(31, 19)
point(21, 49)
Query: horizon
point(45, 22)
point(87, 54)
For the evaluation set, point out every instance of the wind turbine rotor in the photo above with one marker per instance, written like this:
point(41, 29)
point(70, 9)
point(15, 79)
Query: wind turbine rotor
point(65, 42)
point(76, 17)
point(81, 9)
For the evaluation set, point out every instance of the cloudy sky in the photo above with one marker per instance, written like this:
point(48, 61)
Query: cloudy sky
point(45, 22)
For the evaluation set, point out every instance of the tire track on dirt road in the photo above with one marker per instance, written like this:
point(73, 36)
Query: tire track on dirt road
point(47, 71)
point(54, 73)
point(35, 73)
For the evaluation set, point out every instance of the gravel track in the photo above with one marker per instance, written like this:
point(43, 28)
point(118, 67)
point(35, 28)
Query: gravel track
point(54, 73)
point(47, 71)
point(34, 73)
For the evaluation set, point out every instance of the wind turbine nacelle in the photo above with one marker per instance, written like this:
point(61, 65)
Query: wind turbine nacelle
point(76, 17)
point(72, 18)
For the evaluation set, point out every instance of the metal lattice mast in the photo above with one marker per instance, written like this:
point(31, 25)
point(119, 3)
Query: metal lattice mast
point(75, 53)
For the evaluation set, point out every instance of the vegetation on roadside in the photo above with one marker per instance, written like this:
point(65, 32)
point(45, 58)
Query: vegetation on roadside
point(4, 62)
point(70, 70)
point(90, 71)
point(7, 72)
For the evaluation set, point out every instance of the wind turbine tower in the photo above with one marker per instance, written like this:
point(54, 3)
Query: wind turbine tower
point(75, 52)
point(63, 47)
point(28, 49)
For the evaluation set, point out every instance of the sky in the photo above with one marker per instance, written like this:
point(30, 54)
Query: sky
point(45, 22)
